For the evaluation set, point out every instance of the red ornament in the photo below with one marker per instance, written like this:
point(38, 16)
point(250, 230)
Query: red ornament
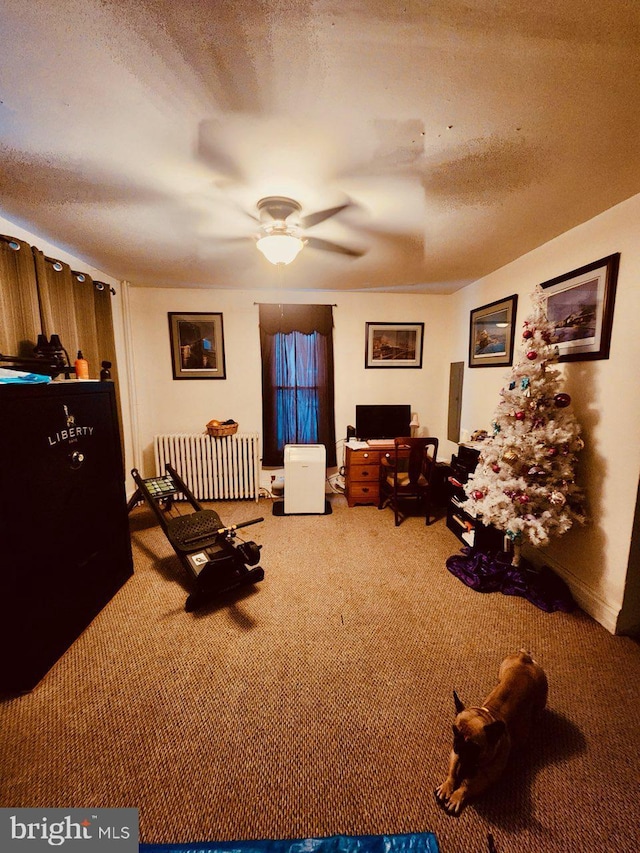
point(532, 355)
point(477, 495)
point(562, 400)
point(527, 334)
point(523, 499)
point(495, 468)
point(552, 451)
point(520, 416)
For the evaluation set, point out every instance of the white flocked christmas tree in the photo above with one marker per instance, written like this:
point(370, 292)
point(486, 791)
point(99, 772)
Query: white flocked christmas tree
point(524, 483)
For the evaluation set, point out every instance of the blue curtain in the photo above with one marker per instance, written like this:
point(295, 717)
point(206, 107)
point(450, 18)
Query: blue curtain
point(297, 403)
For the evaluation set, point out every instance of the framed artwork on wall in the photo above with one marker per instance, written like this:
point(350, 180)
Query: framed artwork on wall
point(491, 333)
point(197, 346)
point(393, 345)
point(580, 307)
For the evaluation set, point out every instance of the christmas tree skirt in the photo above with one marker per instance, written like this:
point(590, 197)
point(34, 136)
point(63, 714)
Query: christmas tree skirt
point(494, 573)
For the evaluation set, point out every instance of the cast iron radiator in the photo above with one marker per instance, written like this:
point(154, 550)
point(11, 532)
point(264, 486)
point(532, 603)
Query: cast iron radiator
point(213, 468)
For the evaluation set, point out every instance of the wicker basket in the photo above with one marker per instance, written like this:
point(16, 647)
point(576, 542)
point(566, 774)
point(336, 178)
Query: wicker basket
point(222, 429)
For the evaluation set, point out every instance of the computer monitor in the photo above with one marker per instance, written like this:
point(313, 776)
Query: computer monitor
point(382, 421)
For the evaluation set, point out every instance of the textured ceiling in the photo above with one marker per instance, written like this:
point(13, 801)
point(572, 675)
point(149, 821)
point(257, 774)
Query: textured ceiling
point(139, 135)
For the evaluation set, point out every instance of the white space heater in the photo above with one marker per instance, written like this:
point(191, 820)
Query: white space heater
point(305, 468)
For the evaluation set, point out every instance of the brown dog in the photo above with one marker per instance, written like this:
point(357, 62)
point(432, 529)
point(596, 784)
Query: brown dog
point(483, 737)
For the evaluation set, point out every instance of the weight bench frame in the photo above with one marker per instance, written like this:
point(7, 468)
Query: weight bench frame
point(206, 548)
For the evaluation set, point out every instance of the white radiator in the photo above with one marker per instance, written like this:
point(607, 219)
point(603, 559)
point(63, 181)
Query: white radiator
point(213, 468)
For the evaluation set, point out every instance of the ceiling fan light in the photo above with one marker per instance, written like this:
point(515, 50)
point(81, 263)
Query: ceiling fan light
point(280, 248)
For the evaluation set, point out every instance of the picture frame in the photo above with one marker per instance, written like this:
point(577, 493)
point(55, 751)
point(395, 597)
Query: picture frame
point(393, 345)
point(580, 307)
point(491, 333)
point(197, 345)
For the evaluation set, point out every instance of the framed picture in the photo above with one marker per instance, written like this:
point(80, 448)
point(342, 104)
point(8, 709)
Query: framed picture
point(197, 346)
point(491, 334)
point(580, 307)
point(393, 345)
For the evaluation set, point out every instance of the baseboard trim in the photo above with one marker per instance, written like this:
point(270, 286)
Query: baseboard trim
point(585, 597)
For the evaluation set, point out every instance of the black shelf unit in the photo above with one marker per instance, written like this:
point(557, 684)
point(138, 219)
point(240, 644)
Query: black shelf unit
point(467, 527)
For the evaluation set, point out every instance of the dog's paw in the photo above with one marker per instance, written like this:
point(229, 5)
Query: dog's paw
point(455, 803)
point(451, 801)
point(444, 791)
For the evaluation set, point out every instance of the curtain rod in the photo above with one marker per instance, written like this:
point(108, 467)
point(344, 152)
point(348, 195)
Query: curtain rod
point(330, 304)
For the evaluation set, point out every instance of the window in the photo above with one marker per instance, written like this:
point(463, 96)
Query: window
point(297, 379)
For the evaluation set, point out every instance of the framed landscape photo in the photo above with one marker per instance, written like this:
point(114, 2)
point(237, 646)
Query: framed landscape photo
point(491, 333)
point(393, 345)
point(197, 346)
point(580, 307)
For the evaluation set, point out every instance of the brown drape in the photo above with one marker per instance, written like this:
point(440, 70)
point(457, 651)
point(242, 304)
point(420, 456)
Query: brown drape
point(77, 309)
point(296, 318)
point(43, 295)
point(19, 310)
point(285, 319)
point(68, 310)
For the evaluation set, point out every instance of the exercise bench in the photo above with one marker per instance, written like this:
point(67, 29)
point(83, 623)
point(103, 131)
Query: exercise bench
point(206, 548)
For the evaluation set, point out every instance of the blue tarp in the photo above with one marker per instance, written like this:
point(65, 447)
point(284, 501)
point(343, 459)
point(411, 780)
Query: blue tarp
point(423, 842)
point(20, 377)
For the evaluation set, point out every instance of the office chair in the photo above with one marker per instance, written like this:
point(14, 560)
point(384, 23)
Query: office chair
point(408, 473)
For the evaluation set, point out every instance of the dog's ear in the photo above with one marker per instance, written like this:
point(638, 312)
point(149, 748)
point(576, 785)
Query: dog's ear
point(459, 705)
point(494, 732)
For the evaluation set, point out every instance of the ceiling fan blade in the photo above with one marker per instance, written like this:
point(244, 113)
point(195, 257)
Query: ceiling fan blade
point(321, 215)
point(212, 152)
point(229, 241)
point(326, 246)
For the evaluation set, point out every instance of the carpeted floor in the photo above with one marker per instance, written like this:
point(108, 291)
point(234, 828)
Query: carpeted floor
point(320, 703)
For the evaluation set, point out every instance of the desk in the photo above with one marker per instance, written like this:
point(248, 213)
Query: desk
point(362, 473)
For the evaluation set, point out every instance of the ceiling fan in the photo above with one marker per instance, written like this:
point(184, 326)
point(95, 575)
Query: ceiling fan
point(282, 234)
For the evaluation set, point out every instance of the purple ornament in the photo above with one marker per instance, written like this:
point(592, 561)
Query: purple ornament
point(562, 400)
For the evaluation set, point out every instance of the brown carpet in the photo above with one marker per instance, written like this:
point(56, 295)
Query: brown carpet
point(320, 703)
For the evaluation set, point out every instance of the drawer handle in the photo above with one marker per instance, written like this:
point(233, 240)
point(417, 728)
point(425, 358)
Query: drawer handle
point(365, 489)
point(365, 473)
point(365, 455)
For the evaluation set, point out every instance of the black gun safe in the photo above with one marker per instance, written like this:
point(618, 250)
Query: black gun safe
point(64, 535)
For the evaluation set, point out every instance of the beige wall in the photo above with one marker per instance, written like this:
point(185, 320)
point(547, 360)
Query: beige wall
point(167, 405)
point(605, 396)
